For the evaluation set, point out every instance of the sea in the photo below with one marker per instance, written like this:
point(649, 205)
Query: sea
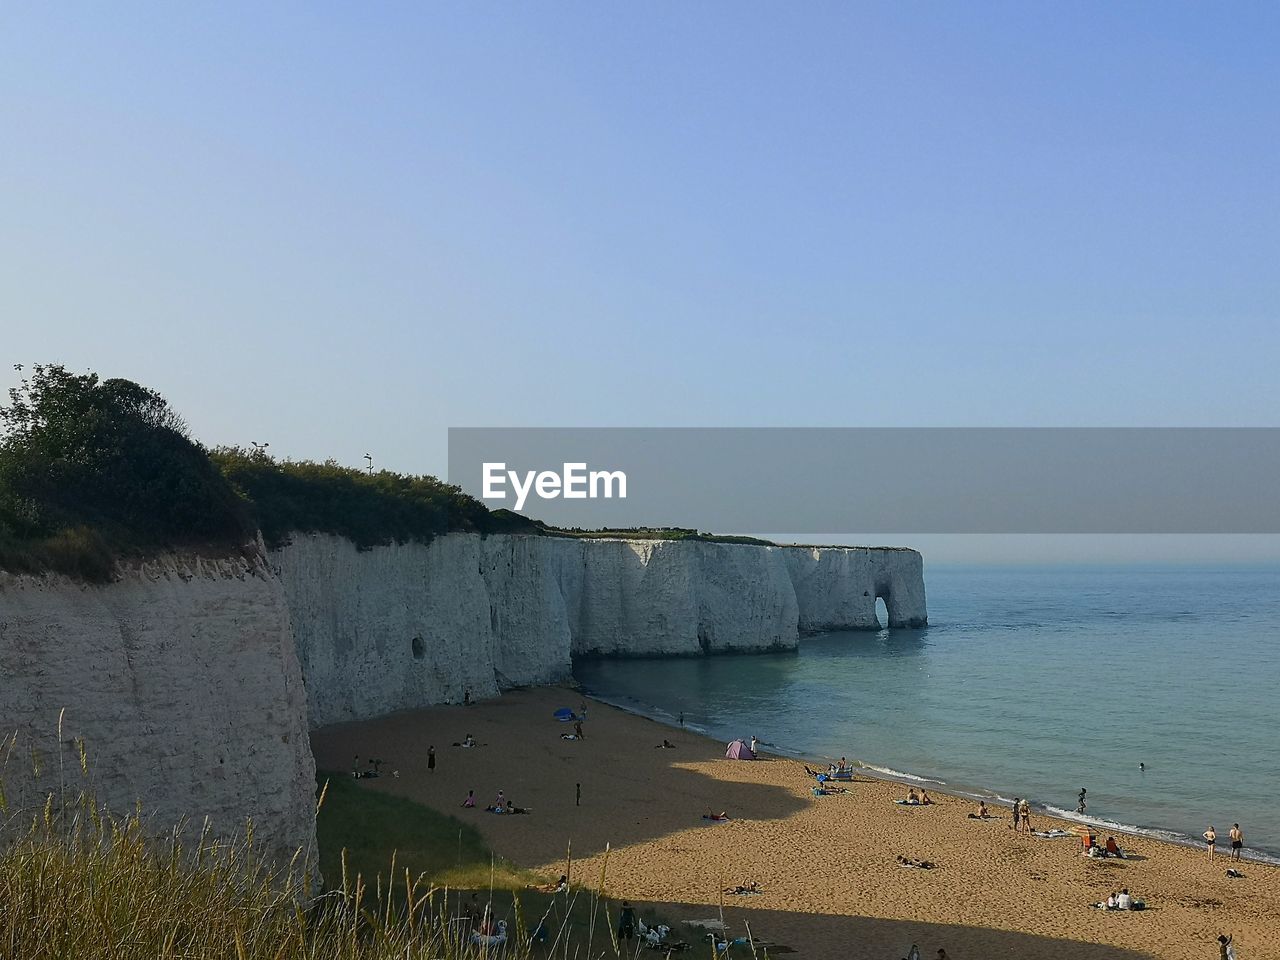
point(1033, 682)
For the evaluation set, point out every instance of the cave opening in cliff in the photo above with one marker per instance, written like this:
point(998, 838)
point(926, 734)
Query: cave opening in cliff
point(882, 613)
point(419, 648)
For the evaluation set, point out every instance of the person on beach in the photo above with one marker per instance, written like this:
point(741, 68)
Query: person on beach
point(1081, 805)
point(431, 759)
point(1124, 901)
point(1210, 839)
point(1017, 813)
point(982, 813)
point(665, 745)
point(1113, 848)
point(626, 921)
point(471, 799)
point(560, 886)
point(1025, 810)
point(924, 798)
point(577, 730)
point(913, 799)
point(918, 864)
point(1237, 841)
point(755, 745)
point(1225, 950)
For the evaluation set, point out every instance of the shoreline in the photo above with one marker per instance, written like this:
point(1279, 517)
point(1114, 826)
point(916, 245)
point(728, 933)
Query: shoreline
point(883, 773)
point(832, 888)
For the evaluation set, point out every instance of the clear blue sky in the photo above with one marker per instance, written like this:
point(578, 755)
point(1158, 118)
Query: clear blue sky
point(344, 229)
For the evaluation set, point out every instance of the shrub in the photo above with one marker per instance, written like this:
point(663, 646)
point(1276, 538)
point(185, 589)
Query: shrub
point(367, 508)
point(92, 469)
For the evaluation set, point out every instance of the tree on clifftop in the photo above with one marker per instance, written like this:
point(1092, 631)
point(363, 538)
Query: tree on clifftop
point(90, 469)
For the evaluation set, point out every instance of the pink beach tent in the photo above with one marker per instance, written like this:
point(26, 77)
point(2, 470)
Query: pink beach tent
point(738, 750)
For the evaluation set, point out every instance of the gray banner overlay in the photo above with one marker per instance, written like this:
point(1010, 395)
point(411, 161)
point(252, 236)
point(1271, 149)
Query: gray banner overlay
point(892, 480)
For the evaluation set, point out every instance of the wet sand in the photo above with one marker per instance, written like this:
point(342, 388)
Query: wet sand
point(832, 887)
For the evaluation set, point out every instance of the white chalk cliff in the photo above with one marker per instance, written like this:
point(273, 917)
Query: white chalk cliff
point(181, 680)
point(403, 626)
point(185, 677)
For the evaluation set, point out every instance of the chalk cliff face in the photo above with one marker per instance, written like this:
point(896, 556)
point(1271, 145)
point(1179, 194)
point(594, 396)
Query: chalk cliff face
point(183, 683)
point(185, 678)
point(402, 626)
point(660, 597)
point(836, 588)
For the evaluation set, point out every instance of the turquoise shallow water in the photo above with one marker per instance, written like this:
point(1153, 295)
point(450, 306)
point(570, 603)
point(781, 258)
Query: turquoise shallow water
point(1028, 682)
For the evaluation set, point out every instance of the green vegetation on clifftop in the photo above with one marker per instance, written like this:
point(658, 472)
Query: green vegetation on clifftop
point(369, 509)
point(94, 471)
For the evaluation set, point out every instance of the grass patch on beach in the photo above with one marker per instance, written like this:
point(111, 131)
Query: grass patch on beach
point(373, 826)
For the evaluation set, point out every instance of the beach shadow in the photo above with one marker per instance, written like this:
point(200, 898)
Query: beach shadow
point(812, 936)
point(593, 800)
point(827, 937)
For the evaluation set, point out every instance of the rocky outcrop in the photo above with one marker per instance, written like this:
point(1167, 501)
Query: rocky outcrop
point(402, 626)
point(837, 587)
point(181, 681)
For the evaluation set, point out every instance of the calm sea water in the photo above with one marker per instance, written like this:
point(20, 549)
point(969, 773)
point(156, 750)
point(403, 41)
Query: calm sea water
point(1028, 682)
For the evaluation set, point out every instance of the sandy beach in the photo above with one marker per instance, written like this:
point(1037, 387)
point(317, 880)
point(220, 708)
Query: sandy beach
point(832, 887)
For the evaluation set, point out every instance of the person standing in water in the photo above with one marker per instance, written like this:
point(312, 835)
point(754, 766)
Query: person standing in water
point(1080, 808)
point(1237, 841)
point(1210, 838)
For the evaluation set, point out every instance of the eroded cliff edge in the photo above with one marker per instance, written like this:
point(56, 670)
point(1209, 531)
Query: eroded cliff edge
point(182, 681)
point(401, 626)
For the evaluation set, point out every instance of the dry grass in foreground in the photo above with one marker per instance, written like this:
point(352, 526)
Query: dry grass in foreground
point(77, 883)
